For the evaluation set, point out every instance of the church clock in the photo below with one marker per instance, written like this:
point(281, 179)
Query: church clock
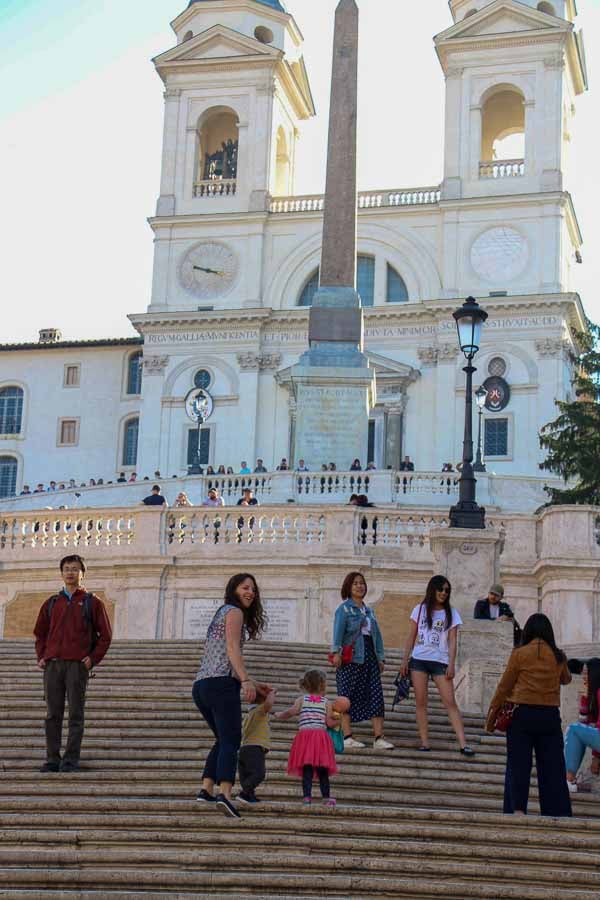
point(208, 270)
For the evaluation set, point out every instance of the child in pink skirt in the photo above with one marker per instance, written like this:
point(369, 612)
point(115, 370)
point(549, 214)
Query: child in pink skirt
point(312, 756)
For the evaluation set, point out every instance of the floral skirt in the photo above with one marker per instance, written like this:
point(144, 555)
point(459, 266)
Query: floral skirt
point(361, 684)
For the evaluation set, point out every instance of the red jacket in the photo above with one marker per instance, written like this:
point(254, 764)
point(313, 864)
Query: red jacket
point(584, 716)
point(67, 635)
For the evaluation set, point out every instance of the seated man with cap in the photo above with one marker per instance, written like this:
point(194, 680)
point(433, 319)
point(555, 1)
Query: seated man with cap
point(493, 606)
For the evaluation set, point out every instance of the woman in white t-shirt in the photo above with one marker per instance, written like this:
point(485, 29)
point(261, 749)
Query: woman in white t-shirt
point(430, 652)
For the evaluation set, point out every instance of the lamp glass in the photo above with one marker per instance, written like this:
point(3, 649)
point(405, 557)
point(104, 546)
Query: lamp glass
point(481, 397)
point(469, 334)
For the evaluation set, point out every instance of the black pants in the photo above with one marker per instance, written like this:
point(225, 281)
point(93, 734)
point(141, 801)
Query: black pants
point(536, 728)
point(307, 781)
point(252, 767)
point(64, 679)
point(218, 699)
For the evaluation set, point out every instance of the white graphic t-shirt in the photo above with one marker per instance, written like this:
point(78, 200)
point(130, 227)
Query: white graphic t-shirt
point(432, 643)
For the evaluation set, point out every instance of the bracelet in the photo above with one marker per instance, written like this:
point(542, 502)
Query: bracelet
point(247, 681)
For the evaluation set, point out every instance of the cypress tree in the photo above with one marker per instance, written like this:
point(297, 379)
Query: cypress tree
point(572, 440)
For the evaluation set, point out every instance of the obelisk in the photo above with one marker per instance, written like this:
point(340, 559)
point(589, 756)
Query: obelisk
point(333, 384)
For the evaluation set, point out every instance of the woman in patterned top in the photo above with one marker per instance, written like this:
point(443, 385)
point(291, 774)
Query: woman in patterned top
point(312, 755)
point(221, 678)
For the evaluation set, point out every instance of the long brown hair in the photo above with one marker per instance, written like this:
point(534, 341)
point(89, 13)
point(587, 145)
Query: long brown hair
point(255, 619)
point(346, 591)
point(436, 584)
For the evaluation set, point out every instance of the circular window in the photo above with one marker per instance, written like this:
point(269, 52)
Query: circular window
point(263, 34)
point(497, 367)
point(202, 379)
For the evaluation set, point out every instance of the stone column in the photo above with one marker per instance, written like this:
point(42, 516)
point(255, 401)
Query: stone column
point(166, 201)
point(469, 558)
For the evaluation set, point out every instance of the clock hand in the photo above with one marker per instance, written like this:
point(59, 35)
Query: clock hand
point(209, 271)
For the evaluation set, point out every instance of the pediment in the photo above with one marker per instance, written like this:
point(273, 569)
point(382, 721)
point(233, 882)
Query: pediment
point(218, 42)
point(386, 371)
point(501, 18)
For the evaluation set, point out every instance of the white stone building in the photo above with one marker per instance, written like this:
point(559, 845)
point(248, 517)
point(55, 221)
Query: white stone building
point(237, 254)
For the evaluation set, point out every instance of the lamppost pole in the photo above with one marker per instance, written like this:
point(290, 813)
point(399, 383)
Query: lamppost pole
point(469, 320)
point(480, 396)
point(196, 468)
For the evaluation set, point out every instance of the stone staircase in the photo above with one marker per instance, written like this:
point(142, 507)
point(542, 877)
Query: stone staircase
point(408, 825)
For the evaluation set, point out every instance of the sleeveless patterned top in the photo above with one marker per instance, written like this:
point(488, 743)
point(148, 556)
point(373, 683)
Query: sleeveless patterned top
point(313, 714)
point(215, 661)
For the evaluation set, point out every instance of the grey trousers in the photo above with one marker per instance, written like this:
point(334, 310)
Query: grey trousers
point(64, 679)
point(252, 767)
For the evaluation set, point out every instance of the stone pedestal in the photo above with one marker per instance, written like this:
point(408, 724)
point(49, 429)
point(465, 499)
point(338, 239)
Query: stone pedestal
point(332, 414)
point(469, 558)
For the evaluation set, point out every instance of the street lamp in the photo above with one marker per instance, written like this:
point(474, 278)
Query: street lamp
point(469, 322)
point(196, 468)
point(480, 398)
point(198, 406)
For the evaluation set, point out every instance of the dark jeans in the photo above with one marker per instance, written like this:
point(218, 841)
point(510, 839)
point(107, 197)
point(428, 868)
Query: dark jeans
point(252, 767)
point(218, 699)
point(64, 679)
point(307, 781)
point(536, 728)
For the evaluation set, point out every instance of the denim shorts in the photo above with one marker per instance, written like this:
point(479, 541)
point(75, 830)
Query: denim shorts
point(429, 666)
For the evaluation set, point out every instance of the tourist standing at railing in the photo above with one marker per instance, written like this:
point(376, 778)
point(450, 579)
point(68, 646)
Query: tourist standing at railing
point(283, 465)
point(155, 498)
point(430, 652)
point(245, 469)
point(247, 498)
point(220, 680)
point(356, 466)
point(355, 626)
point(260, 467)
point(213, 498)
point(301, 467)
point(182, 500)
point(531, 684)
point(407, 465)
point(72, 635)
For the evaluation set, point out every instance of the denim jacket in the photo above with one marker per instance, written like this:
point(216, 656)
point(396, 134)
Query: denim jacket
point(347, 621)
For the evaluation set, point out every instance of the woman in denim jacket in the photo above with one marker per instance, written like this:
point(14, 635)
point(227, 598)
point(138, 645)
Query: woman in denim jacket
point(360, 680)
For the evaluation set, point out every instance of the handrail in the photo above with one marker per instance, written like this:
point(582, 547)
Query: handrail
point(418, 196)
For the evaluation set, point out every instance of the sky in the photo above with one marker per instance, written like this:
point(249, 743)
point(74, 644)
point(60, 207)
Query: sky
point(81, 131)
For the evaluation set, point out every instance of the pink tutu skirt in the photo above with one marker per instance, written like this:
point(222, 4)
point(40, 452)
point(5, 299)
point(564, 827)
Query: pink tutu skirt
point(312, 747)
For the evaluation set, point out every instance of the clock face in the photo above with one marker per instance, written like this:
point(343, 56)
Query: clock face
point(208, 270)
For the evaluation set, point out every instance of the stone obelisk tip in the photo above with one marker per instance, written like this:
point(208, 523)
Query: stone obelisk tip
point(338, 262)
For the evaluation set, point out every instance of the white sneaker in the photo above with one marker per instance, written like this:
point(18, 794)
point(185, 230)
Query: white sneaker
point(382, 744)
point(572, 785)
point(349, 742)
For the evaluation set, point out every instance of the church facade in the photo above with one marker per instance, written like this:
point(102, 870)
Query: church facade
point(236, 260)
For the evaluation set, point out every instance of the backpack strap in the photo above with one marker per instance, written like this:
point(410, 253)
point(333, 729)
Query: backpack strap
point(51, 602)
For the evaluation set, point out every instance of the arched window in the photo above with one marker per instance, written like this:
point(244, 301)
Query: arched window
point(396, 289)
point(188, 36)
point(130, 442)
point(546, 8)
point(365, 283)
point(134, 374)
point(218, 142)
point(8, 476)
point(503, 125)
point(11, 410)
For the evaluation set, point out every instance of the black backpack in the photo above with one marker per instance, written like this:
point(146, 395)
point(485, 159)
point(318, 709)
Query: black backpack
point(86, 610)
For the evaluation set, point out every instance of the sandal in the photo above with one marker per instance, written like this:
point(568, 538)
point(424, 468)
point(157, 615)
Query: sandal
point(467, 751)
point(426, 750)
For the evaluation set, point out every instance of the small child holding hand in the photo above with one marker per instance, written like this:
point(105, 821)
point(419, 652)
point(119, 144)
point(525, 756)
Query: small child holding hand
point(256, 743)
point(312, 755)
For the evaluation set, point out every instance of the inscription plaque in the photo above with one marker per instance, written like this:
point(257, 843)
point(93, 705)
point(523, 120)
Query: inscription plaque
point(282, 619)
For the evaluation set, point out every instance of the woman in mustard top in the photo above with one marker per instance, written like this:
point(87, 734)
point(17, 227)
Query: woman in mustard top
point(532, 681)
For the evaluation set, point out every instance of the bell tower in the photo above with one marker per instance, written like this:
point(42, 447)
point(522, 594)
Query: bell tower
point(236, 91)
point(513, 71)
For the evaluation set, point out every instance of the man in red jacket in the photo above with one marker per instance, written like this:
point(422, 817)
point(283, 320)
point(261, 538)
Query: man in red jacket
point(72, 634)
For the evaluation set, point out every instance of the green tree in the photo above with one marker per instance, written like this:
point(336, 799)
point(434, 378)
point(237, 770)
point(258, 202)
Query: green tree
point(572, 441)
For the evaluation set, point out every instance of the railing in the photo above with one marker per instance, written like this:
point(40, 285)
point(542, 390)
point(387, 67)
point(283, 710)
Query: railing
point(244, 527)
point(418, 483)
point(366, 200)
point(67, 531)
point(390, 530)
point(214, 187)
point(332, 484)
point(502, 168)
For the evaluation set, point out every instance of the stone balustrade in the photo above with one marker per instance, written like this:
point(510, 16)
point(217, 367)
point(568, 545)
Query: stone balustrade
point(502, 168)
point(384, 488)
point(366, 200)
point(214, 187)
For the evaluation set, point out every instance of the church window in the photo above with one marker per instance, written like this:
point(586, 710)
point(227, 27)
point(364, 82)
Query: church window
point(546, 8)
point(502, 130)
point(192, 449)
point(188, 36)
point(134, 374)
point(396, 289)
point(71, 377)
point(497, 367)
point(365, 283)
point(202, 379)
point(130, 442)
point(263, 34)
point(496, 437)
point(68, 432)
point(11, 410)
point(8, 476)
point(218, 142)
